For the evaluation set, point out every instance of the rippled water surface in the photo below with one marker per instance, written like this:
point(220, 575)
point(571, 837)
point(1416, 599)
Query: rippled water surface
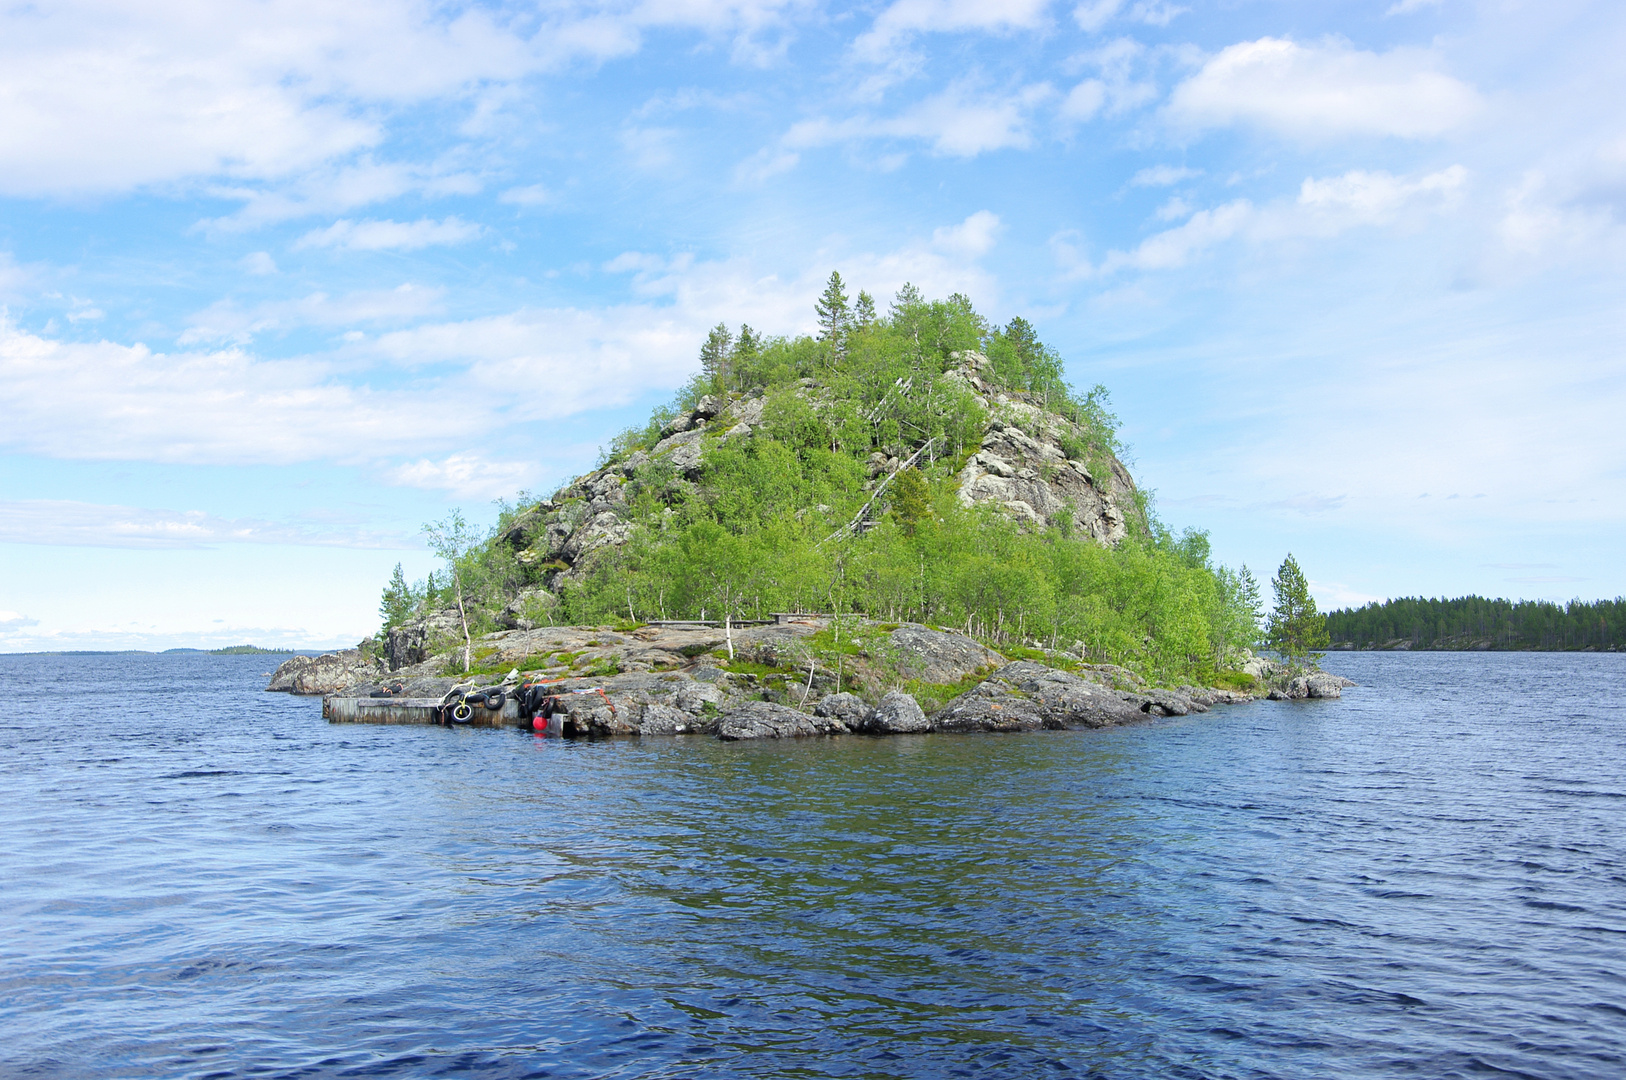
point(1425, 879)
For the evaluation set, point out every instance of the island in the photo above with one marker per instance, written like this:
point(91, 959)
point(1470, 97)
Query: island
point(908, 522)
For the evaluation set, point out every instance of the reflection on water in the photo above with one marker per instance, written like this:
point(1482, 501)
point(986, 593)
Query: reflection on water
point(1425, 879)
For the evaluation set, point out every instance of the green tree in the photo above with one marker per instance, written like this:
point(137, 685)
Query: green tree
point(398, 601)
point(456, 541)
point(1295, 629)
point(715, 355)
point(831, 307)
point(911, 500)
point(864, 311)
point(908, 297)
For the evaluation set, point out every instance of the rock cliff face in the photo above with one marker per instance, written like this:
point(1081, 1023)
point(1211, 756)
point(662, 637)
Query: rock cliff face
point(325, 674)
point(1024, 466)
point(1033, 464)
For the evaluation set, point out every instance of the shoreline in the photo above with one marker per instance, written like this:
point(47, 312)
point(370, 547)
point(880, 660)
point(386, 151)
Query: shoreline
point(794, 676)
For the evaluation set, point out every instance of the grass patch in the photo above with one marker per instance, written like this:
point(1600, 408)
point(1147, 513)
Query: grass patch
point(747, 667)
point(1017, 652)
point(1239, 681)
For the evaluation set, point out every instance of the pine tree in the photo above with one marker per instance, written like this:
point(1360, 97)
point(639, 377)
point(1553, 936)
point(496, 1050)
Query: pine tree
point(1295, 629)
point(397, 603)
point(832, 310)
point(1023, 338)
point(748, 346)
point(714, 357)
point(864, 311)
point(908, 297)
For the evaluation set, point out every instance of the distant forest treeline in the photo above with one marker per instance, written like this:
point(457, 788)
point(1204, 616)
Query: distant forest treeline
point(1474, 622)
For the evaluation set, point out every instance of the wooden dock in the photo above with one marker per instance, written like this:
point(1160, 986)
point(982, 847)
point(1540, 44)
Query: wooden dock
point(405, 710)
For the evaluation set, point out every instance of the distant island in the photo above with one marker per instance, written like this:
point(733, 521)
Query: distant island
point(239, 650)
point(1475, 623)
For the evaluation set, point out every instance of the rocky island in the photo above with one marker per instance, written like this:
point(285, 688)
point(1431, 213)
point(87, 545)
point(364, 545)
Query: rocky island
point(910, 523)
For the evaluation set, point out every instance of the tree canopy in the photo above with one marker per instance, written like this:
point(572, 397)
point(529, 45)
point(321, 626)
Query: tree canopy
point(762, 527)
point(1295, 628)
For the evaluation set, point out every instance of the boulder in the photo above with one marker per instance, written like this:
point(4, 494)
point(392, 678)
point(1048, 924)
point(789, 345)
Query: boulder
point(850, 709)
point(325, 674)
point(897, 714)
point(765, 720)
point(1067, 700)
point(657, 719)
point(991, 706)
point(1316, 684)
point(942, 656)
point(1026, 696)
point(682, 450)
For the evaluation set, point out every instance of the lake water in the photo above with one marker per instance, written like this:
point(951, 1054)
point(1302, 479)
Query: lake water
point(1426, 879)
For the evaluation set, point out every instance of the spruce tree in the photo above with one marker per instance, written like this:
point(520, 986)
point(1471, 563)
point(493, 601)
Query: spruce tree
point(1295, 629)
point(864, 311)
point(908, 297)
point(714, 357)
point(397, 603)
point(747, 350)
point(831, 307)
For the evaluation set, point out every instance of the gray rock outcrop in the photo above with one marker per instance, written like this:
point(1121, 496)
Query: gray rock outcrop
point(765, 720)
point(1025, 696)
point(325, 674)
point(897, 714)
point(941, 656)
point(850, 709)
point(1315, 684)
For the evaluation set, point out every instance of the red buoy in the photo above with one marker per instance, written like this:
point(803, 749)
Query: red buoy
point(540, 723)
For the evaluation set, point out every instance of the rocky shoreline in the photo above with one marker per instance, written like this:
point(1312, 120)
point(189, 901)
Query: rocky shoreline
point(767, 681)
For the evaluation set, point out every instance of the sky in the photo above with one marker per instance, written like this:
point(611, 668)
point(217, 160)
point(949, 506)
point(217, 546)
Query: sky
point(281, 281)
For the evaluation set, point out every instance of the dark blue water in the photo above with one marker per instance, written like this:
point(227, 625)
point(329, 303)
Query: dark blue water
point(1426, 879)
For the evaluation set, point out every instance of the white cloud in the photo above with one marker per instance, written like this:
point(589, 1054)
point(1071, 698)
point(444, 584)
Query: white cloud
point(531, 195)
point(1092, 15)
point(1361, 197)
point(332, 189)
point(1163, 176)
point(905, 18)
point(1084, 100)
point(958, 122)
point(765, 164)
point(390, 235)
point(465, 475)
point(1324, 208)
point(109, 401)
point(1120, 85)
point(59, 523)
point(12, 276)
point(226, 321)
point(106, 401)
point(1406, 7)
point(1172, 210)
point(1323, 91)
point(259, 263)
point(972, 238)
point(109, 95)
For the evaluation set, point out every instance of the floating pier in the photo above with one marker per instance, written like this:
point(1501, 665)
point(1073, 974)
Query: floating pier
point(406, 710)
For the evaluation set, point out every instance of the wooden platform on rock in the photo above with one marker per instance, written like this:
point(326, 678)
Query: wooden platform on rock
point(404, 710)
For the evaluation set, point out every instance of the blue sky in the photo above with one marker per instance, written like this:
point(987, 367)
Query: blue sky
point(283, 280)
